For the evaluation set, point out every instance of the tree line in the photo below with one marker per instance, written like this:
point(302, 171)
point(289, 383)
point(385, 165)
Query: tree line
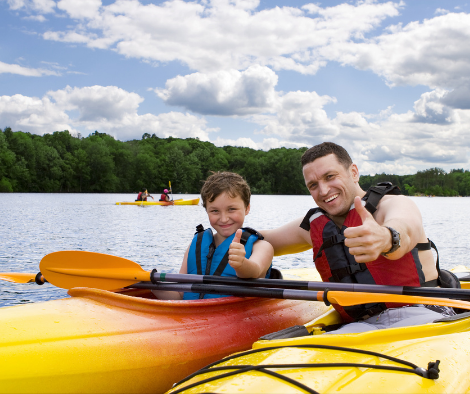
point(62, 163)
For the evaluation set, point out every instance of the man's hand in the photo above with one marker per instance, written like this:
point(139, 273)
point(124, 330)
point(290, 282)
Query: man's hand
point(368, 241)
point(236, 252)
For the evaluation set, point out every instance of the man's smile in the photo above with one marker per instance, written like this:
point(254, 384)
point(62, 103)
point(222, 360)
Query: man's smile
point(331, 198)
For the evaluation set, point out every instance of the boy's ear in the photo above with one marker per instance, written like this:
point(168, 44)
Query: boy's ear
point(247, 209)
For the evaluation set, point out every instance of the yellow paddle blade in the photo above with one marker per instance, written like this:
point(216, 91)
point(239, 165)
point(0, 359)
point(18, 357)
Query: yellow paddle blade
point(344, 298)
point(18, 277)
point(72, 268)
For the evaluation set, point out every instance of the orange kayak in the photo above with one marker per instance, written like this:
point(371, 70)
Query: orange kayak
point(98, 341)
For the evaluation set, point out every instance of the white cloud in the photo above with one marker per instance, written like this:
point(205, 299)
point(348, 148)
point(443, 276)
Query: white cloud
point(107, 109)
point(432, 53)
point(298, 117)
point(80, 9)
point(223, 92)
point(6, 68)
point(199, 35)
point(40, 6)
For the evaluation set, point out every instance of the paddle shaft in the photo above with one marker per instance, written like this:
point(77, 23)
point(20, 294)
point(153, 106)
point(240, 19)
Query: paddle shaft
point(329, 297)
point(457, 294)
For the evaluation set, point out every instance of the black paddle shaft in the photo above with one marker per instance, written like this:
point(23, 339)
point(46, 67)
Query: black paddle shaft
point(231, 290)
point(457, 294)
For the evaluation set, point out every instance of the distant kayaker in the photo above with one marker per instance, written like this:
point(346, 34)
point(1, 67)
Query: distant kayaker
point(143, 195)
point(232, 251)
point(164, 196)
point(373, 237)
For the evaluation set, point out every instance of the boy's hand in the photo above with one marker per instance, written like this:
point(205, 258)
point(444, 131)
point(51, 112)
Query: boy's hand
point(236, 252)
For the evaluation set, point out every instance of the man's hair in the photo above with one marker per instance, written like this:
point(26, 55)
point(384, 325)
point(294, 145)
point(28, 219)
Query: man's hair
point(225, 182)
point(325, 149)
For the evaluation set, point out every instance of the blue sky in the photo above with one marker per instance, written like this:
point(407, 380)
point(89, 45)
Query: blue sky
point(389, 80)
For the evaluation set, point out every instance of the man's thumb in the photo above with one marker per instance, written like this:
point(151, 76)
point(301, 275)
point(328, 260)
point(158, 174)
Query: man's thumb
point(361, 210)
point(238, 236)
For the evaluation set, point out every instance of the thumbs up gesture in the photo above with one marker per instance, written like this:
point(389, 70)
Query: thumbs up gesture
point(368, 241)
point(236, 252)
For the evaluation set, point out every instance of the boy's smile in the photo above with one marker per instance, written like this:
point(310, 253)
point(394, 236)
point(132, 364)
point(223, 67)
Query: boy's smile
point(226, 215)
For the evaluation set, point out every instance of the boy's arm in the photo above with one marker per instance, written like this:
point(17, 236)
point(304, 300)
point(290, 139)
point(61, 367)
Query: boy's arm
point(258, 263)
point(174, 295)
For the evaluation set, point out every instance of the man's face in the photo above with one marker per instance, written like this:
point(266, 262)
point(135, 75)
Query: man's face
point(332, 186)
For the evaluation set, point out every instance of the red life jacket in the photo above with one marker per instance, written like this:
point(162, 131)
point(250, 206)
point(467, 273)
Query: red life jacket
point(139, 197)
point(163, 197)
point(335, 264)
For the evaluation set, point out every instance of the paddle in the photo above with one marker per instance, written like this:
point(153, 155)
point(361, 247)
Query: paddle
point(79, 268)
point(328, 297)
point(171, 191)
point(23, 277)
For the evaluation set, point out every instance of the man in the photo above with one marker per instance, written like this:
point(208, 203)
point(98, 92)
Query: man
point(353, 245)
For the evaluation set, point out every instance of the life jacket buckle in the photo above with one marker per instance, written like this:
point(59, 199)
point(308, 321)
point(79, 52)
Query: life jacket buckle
point(352, 269)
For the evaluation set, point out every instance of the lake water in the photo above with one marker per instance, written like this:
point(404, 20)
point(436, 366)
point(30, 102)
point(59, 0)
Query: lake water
point(33, 225)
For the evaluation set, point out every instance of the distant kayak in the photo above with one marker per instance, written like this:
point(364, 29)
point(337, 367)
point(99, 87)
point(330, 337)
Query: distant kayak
point(194, 201)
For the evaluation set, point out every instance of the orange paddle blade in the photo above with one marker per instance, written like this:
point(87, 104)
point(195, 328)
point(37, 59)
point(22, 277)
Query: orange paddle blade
point(18, 277)
point(344, 298)
point(72, 268)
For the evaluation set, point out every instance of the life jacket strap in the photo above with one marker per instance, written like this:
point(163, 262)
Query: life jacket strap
point(338, 274)
point(375, 194)
point(329, 242)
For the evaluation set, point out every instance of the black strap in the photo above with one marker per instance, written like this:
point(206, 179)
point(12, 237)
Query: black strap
point(375, 194)
point(306, 220)
point(200, 234)
point(328, 243)
point(428, 246)
point(340, 273)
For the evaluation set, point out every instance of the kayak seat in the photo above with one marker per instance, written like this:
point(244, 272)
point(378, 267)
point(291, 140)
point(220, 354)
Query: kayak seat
point(289, 332)
point(453, 318)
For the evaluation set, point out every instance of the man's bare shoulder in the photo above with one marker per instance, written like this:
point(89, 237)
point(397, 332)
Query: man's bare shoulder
point(395, 206)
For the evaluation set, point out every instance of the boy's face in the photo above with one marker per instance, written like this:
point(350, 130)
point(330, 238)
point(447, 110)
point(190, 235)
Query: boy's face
point(226, 214)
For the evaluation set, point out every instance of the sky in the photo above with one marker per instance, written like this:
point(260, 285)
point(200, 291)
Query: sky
point(388, 80)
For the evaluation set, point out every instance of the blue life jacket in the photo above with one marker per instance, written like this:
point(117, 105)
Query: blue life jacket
point(205, 259)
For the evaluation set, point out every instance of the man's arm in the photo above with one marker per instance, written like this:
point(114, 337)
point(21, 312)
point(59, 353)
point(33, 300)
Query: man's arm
point(288, 239)
point(368, 241)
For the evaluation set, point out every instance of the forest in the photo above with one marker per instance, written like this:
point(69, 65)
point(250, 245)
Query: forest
point(98, 163)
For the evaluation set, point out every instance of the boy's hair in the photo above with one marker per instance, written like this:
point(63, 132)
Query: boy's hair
point(229, 182)
point(324, 149)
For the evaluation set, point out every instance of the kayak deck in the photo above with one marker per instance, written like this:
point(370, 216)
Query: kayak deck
point(370, 362)
point(194, 201)
point(100, 341)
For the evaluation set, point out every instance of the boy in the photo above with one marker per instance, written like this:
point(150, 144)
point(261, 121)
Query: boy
point(226, 198)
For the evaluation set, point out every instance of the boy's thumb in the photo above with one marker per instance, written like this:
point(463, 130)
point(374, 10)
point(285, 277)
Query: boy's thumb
point(238, 236)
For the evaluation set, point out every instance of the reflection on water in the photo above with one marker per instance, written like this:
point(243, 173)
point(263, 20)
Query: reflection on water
point(33, 225)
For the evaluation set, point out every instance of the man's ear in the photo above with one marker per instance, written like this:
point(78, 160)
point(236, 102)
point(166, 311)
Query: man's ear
point(247, 209)
point(354, 172)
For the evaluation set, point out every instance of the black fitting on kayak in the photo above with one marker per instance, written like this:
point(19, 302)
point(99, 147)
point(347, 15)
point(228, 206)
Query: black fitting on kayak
point(152, 276)
point(39, 279)
point(325, 297)
point(433, 370)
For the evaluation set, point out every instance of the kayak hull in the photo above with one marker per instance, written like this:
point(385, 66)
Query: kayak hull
point(103, 342)
point(194, 201)
point(448, 342)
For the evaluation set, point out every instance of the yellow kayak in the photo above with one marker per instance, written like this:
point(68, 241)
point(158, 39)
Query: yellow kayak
point(99, 341)
point(429, 358)
point(194, 201)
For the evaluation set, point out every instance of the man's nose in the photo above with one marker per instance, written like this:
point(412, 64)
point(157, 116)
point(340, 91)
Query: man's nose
point(324, 188)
